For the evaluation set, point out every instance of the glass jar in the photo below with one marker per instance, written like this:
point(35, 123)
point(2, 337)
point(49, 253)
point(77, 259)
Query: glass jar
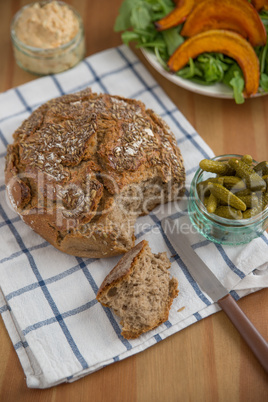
point(48, 61)
point(218, 229)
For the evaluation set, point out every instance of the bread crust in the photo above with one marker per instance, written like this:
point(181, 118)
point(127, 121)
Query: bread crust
point(122, 269)
point(81, 167)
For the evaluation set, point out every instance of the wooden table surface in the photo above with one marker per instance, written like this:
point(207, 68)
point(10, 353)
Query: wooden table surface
point(207, 361)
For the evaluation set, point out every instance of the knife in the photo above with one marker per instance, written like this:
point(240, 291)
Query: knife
point(209, 283)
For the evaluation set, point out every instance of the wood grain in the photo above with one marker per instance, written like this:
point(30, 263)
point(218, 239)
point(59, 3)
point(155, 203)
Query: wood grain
point(208, 361)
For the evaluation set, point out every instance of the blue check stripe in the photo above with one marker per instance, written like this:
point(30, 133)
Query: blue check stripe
point(148, 229)
point(139, 93)
point(179, 214)
point(202, 243)
point(158, 338)
point(235, 295)
point(192, 170)
point(4, 308)
point(12, 116)
point(197, 316)
point(63, 316)
point(3, 139)
point(265, 239)
point(185, 138)
point(95, 75)
point(20, 344)
point(58, 85)
point(13, 220)
point(229, 262)
point(191, 280)
point(23, 251)
point(23, 101)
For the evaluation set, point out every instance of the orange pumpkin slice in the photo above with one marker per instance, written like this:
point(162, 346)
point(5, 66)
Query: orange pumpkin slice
point(260, 4)
point(227, 42)
point(236, 15)
point(176, 16)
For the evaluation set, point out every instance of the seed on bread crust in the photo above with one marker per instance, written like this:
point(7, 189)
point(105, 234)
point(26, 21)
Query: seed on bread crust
point(77, 157)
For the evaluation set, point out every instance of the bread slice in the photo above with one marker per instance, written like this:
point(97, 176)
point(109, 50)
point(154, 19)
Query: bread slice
point(139, 290)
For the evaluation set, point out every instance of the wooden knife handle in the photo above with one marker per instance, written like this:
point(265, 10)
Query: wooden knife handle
point(249, 333)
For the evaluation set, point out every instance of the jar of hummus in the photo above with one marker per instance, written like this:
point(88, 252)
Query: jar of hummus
point(47, 37)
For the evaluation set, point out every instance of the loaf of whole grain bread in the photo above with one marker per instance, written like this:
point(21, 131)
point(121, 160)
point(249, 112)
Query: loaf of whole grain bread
point(139, 290)
point(84, 166)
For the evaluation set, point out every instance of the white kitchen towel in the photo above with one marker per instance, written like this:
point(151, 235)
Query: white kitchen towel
point(47, 298)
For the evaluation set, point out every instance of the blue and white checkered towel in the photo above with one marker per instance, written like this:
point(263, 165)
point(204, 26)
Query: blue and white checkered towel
point(48, 299)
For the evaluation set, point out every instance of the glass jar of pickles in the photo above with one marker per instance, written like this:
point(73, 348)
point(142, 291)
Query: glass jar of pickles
point(228, 201)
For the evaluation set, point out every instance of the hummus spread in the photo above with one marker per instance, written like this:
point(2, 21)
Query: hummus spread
point(48, 37)
point(47, 26)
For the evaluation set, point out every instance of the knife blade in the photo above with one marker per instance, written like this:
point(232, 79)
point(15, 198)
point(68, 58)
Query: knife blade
point(209, 283)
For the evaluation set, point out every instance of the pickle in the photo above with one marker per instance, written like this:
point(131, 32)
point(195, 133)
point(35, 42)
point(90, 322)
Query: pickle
point(227, 196)
point(233, 183)
point(251, 200)
point(220, 202)
point(253, 180)
point(220, 180)
point(212, 204)
point(249, 213)
point(264, 201)
point(202, 187)
point(228, 213)
point(243, 192)
point(247, 159)
point(256, 184)
point(215, 167)
point(262, 168)
point(265, 178)
point(205, 201)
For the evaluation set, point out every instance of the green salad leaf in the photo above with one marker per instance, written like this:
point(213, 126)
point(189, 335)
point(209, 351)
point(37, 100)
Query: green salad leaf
point(264, 82)
point(172, 39)
point(237, 83)
point(140, 16)
point(123, 20)
point(136, 19)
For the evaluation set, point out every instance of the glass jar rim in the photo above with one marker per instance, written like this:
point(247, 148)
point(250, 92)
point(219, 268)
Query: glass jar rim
point(44, 51)
point(218, 219)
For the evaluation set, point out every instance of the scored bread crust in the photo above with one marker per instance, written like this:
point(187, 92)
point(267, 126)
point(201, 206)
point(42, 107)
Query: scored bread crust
point(120, 274)
point(84, 166)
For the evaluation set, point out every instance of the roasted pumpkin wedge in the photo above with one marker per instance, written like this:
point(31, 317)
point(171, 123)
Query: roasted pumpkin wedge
point(176, 16)
point(236, 15)
point(260, 4)
point(223, 41)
